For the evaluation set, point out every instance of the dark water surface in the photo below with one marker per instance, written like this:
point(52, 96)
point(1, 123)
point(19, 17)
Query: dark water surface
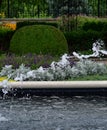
point(53, 113)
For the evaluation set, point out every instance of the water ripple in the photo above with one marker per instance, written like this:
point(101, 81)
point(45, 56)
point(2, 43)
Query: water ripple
point(54, 113)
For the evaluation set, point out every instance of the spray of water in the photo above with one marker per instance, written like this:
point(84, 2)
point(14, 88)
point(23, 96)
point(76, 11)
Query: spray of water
point(97, 49)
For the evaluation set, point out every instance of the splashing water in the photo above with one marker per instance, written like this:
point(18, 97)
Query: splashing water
point(6, 86)
point(2, 118)
point(54, 113)
point(97, 51)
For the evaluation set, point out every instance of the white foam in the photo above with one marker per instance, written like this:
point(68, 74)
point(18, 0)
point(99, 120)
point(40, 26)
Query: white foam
point(2, 118)
point(103, 108)
point(97, 51)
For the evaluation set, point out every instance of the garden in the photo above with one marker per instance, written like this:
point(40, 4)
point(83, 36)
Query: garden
point(35, 51)
point(43, 51)
point(53, 64)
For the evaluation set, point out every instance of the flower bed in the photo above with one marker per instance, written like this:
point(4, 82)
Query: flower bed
point(62, 70)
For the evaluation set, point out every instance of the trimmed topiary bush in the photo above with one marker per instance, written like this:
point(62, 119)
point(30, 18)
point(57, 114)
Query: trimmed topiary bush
point(39, 39)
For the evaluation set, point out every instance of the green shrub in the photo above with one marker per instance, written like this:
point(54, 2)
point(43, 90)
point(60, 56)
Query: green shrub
point(27, 23)
point(5, 37)
point(82, 23)
point(104, 37)
point(96, 26)
point(81, 40)
point(39, 39)
point(76, 22)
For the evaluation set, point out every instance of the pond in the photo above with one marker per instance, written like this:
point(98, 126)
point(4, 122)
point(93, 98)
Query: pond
point(53, 113)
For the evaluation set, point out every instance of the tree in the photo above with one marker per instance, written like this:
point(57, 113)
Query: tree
point(55, 8)
point(84, 7)
point(23, 8)
point(69, 7)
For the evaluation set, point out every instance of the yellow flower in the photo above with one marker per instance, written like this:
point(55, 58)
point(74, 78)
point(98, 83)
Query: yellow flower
point(4, 78)
point(10, 25)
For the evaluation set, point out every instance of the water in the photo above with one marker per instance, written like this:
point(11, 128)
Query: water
point(53, 113)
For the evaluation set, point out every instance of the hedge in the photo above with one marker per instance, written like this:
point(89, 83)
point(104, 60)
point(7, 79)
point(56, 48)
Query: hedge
point(81, 40)
point(39, 39)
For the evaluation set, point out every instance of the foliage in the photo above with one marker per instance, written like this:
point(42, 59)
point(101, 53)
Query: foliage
point(82, 20)
point(39, 39)
point(64, 7)
point(87, 67)
point(2, 15)
point(5, 37)
point(24, 8)
point(97, 7)
point(98, 25)
point(79, 22)
point(29, 60)
point(52, 8)
point(67, 23)
point(26, 23)
point(95, 25)
point(95, 77)
point(61, 70)
point(81, 40)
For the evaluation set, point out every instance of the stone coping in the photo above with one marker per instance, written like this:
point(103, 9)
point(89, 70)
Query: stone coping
point(4, 20)
point(58, 84)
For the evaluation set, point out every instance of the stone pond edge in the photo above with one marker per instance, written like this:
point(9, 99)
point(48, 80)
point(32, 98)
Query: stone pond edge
point(58, 84)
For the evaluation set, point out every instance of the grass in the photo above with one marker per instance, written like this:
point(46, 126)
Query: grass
point(90, 77)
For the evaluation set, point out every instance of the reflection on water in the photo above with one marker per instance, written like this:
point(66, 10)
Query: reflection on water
point(53, 113)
